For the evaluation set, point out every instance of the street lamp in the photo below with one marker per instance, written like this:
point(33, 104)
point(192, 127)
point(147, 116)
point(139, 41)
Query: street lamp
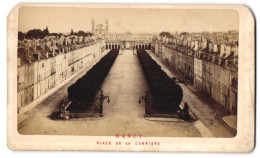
point(102, 98)
point(147, 104)
point(184, 113)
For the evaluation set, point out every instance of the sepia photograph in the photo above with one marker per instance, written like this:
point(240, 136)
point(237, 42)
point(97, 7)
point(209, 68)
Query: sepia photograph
point(129, 73)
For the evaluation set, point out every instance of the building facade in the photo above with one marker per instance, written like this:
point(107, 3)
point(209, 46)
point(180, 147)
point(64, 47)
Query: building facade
point(128, 41)
point(210, 65)
point(43, 64)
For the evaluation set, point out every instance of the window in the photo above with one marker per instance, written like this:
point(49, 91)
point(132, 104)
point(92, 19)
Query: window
point(19, 86)
point(42, 65)
point(39, 78)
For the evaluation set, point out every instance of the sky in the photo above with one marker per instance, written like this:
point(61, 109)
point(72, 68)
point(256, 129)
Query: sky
point(62, 20)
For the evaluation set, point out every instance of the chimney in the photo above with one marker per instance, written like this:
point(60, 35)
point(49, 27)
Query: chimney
point(192, 44)
point(222, 50)
point(39, 56)
point(30, 59)
point(210, 47)
point(227, 63)
point(34, 46)
point(228, 50)
point(235, 51)
point(205, 56)
point(215, 48)
point(42, 45)
point(214, 59)
point(235, 60)
point(195, 45)
point(18, 61)
point(220, 61)
point(209, 57)
point(26, 47)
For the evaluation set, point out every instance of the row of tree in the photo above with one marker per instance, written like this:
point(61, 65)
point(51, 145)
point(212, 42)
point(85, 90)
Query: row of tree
point(169, 35)
point(35, 33)
point(83, 91)
point(81, 33)
point(39, 34)
point(166, 93)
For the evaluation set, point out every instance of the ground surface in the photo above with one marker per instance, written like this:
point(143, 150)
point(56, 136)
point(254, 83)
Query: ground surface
point(124, 84)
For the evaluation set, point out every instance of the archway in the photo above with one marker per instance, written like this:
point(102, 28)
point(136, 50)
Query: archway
point(112, 46)
point(116, 46)
point(109, 46)
point(106, 46)
point(142, 46)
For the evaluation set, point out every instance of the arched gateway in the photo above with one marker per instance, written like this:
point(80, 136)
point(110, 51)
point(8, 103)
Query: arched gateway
point(128, 41)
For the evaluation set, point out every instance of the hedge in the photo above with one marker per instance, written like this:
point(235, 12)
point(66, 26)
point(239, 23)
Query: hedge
point(83, 91)
point(167, 95)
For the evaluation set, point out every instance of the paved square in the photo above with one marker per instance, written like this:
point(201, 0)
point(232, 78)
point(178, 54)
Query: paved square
point(124, 84)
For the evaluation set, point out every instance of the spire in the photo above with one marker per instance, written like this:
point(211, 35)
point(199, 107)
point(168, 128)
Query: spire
point(107, 26)
point(93, 24)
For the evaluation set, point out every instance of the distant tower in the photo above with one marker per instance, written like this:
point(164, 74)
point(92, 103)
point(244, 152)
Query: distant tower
point(93, 25)
point(107, 26)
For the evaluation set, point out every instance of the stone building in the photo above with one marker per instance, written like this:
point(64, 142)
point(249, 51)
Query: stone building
point(128, 41)
point(125, 40)
point(209, 63)
point(47, 63)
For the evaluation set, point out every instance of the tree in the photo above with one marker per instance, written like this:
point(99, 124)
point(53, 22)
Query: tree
point(54, 34)
point(46, 31)
point(89, 34)
point(21, 35)
point(167, 34)
point(71, 32)
point(35, 33)
point(184, 33)
point(81, 33)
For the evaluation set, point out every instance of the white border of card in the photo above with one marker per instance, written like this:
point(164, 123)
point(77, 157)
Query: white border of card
point(244, 141)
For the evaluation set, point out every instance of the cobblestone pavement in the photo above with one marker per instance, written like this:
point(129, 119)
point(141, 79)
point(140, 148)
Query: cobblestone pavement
point(123, 115)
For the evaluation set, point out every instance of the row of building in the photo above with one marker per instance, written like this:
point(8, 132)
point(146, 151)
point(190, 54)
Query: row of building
point(210, 65)
point(45, 63)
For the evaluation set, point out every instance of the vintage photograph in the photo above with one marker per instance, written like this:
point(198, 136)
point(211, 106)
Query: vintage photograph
point(117, 77)
point(127, 72)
